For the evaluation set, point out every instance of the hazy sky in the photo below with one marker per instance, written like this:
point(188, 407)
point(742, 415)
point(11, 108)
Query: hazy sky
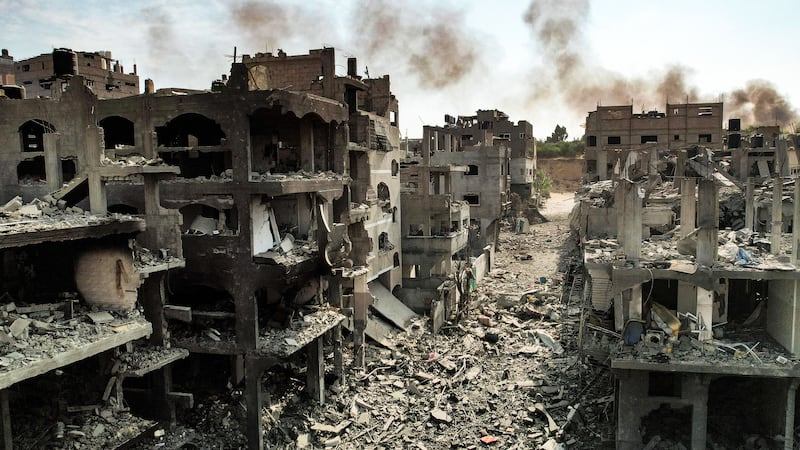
point(545, 61)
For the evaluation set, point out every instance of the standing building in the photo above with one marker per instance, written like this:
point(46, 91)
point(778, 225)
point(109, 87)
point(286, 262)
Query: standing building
point(613, 131)
point(46, 75)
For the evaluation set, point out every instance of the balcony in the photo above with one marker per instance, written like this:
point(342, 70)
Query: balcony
point(445, 244)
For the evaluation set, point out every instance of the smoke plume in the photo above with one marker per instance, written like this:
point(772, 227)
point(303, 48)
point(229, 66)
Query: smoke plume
point(557, 26)
point(435, 47)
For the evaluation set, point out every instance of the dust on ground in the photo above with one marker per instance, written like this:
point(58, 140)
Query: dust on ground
point(507, 374)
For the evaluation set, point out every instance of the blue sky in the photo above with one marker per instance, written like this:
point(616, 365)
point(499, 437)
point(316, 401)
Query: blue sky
point(499, 62)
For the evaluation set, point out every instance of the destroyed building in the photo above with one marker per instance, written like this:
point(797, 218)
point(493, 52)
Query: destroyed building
point(695, 320)
point(489, 145)
point(613, 131)
point(279, 200)
point(435, 238)
point(47, 75)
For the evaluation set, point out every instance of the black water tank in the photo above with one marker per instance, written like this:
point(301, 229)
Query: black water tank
point(757, 141)
point(734, 124)
point(65, 62)
point(734, 140)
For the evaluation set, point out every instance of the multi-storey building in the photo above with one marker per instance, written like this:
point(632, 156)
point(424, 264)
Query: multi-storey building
point(46, 75)
point(613, 131)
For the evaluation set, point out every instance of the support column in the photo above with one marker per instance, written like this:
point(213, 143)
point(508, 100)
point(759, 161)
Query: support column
point(361, 301)
point(448, 143)
point(680, 171)
point(704, 311)
point(776, 230)
point(749, 205)
point(635, 305)
point(98, 204)
point(315, 372)
point(795, 259)
point(335, 298)
point(307, 145)
point(695, 389)
point(688, 206)
point(791, 395)
point(5, 410)
point(254, 400)
point(629, 220)
point(52, 163)
point(707, 222)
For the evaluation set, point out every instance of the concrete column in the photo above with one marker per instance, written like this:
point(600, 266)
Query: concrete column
point(619, 313)
point(52, 163)
point(98, 204)
point(246, 318)
point(796, 224)
point(707, 222)
point(791, 395)
point(361, 299)
point(335, 298)
point(602, 164)
point(632, 389)
point(744, 163)
point(688, 206)
point(749, 204)
point(635, 305)
point(307, 145)
point(426, 146)
point(315, 372)
point(776, 230)
point(5, 410)
point(448, 142)
point(254, 399)
point(695, 390)
point(629, 224)
point(436, 141)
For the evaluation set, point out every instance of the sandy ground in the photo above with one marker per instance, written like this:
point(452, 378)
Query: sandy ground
point(558, 205)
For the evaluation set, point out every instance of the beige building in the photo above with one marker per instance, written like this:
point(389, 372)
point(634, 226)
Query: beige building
point(46, 75)
point(613, 131)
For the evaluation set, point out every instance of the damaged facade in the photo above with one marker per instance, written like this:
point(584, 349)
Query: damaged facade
point(693, 307)
point(613, 131)
point(277, 200)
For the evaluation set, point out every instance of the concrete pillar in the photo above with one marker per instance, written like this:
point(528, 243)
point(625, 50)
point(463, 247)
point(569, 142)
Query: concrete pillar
point(307, 145)
point(361, 301)
point(796, 224)
point(246, 318)
point(776, 229)
point(695, 390)
point(315, 372)
point(98, 204)
point(619, 313)
point(688, 206)
point(629, 222)
point(707, 222)
point(436, 141)
point(744, 163)
point(602, 164)
point(335, 298)
point(254, 401)
point(749, 204)
point(791, 395)
point(448, 142)
point(426, 146)
point(52, 163)
point(635, 305)
point(632, 389)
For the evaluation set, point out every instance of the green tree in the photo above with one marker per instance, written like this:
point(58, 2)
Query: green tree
point(559, 134)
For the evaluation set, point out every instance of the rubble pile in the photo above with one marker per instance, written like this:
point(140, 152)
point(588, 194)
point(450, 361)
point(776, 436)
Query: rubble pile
point(130, 161)
point(224, 177)
point(48, 214)
point(298, 175)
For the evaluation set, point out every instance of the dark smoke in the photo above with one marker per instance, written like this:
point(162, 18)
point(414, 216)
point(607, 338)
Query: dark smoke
point(557, 26)
point(269, 24)
point(759, 103)
point(436, 46)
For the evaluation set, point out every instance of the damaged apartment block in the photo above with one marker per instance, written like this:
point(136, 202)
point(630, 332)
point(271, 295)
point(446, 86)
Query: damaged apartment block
point(274, 204)
point(702, 300)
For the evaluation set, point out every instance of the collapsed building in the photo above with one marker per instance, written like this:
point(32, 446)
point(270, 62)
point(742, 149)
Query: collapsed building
point(695, 316)
point(276, 201)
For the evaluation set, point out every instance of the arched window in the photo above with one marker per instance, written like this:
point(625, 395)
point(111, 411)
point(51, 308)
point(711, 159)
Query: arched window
point(31, 135)
point(117, 131)
point(396, 259)
point(395, 168)
point(190, 130)
point(383, 198)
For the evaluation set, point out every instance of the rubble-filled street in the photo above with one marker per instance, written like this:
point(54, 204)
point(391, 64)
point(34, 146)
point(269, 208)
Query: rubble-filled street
point(507, 374)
